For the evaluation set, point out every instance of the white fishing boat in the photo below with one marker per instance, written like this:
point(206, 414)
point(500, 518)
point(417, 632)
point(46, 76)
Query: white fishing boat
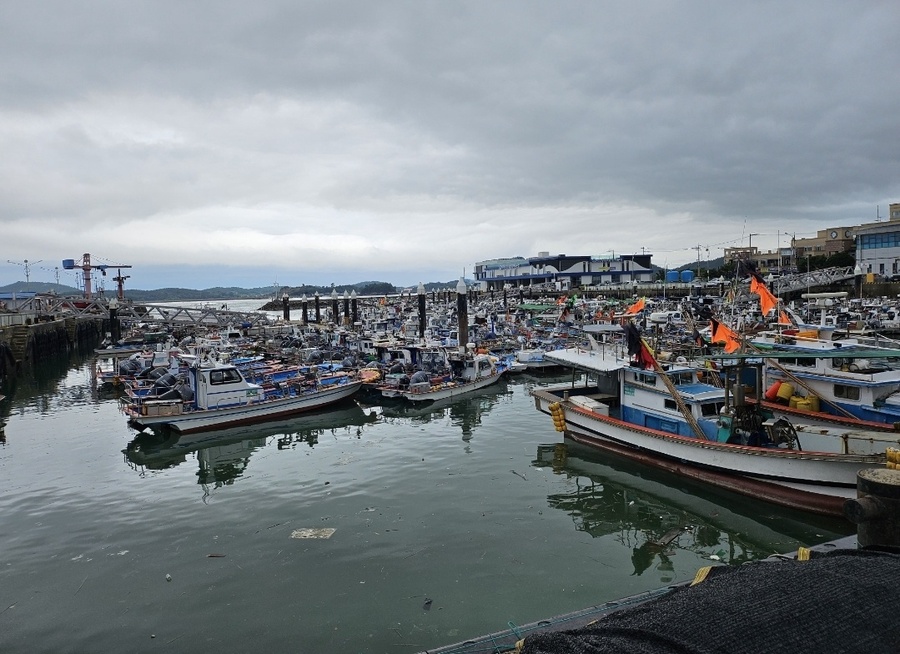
point(534, 360)
point(206, 397)
point(664, 417)
point(468, 372)
point(830, 382)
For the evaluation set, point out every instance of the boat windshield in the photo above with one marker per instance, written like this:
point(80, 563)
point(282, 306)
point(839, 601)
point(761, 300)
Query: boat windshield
point(709, 409)
point(226, 376)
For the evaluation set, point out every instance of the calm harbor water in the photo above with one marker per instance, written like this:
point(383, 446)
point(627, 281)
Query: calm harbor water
point(448, 522)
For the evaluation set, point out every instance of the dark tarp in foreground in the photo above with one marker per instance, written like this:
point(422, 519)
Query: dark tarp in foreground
point(842, 601)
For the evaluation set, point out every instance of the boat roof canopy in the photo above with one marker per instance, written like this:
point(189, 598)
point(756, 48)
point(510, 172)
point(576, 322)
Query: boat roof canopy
point(787, 352)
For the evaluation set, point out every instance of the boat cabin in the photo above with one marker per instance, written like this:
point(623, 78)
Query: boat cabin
point(222, 386)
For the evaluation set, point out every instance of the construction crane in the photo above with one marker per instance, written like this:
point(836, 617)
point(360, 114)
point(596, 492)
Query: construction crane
point(86, 267)
point(28, 264)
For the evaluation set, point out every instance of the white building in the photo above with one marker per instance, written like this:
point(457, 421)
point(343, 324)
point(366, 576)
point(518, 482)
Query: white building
point(878, 245)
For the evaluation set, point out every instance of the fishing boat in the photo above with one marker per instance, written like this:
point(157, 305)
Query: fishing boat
point(127, 363)
point(828, 382)
point(660, 414)
point(209, 395)
point(468, 372)
point(534, 360)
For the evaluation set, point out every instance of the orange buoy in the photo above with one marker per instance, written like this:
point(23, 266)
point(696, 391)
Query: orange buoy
point(772, 391)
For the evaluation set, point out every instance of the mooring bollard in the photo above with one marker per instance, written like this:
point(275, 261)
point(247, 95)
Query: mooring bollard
point(876, 509)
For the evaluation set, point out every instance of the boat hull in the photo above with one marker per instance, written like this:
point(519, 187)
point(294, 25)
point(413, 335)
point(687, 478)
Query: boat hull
point(446, 391)
point(264, 411)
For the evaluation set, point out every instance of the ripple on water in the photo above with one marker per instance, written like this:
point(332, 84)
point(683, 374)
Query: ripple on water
point(446, 503)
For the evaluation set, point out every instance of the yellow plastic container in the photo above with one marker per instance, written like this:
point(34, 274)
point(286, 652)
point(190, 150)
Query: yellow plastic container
point(813, 402)
point(785, 392)
point(803, 404)
point(794, 400)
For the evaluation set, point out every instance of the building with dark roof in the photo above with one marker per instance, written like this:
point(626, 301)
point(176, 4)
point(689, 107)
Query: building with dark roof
point(563, 271)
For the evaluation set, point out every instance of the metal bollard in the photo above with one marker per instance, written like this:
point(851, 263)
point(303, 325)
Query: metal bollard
point(876, 509)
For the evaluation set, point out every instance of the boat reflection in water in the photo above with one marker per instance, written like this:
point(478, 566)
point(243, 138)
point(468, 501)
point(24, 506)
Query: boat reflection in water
point(224, 454)
point(466, 412)
point(657, 514)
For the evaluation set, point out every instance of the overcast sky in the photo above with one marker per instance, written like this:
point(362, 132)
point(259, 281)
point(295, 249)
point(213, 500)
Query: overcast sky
point(225, 143)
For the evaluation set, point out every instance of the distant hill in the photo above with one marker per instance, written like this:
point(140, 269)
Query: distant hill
point(228, 292)
point(712, 264)
point(219, 293)
point(215, 293)
point(39, 287)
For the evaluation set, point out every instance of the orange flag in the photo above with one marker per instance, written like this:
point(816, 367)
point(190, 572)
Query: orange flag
point(723, 333)
point(784, 318)
point(634, 308)
point(767, 301)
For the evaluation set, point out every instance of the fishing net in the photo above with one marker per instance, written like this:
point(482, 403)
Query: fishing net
point(843, 601)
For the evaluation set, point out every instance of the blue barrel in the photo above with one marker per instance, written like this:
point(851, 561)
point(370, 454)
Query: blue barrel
point(687, 276)
point(671, 276)
point(68, 264)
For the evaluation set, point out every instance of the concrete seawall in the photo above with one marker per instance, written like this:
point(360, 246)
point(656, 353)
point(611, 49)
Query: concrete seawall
point(32, 342)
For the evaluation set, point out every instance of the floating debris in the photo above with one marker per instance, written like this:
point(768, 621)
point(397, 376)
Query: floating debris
point(427, 604)
point(323, 532)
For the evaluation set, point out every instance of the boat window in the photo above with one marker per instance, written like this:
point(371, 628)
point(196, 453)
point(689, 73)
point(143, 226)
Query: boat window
point(670, 404)
point(846, 392)
point(227, 376)
point(645, 378)
point(711, 408)
point(806, 362)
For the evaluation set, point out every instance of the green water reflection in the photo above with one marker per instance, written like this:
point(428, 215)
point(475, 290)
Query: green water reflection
point(657, 515)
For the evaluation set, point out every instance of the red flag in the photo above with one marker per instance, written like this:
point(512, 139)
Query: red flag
point(638, 350)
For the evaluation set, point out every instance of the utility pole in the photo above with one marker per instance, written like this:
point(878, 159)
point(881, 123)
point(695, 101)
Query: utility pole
point(27, 264)
point(53, 270)
point(698, 247)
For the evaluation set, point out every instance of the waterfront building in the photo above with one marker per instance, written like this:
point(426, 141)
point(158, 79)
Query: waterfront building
point(563, 272)
point(878, 245)
point(785, 260)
